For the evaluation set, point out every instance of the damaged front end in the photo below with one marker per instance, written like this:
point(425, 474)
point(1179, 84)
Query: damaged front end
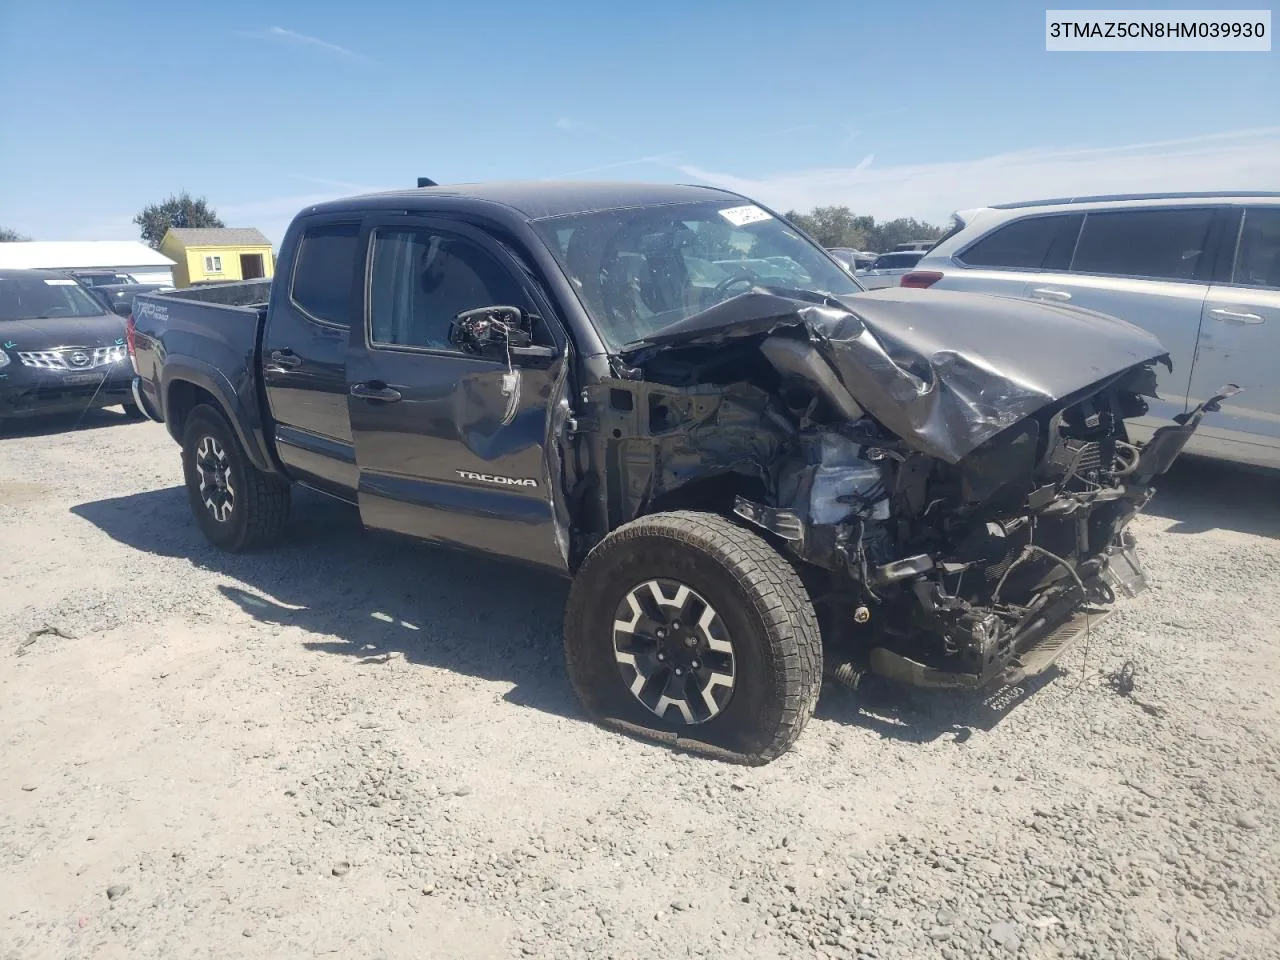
point(953, 472)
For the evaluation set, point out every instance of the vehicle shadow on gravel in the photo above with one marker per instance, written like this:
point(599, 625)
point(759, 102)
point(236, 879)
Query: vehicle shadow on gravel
point(1202, 495)
point(50, 424)
point(370, 597)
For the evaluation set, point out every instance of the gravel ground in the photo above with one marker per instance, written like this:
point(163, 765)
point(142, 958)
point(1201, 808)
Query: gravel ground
point(354, 748)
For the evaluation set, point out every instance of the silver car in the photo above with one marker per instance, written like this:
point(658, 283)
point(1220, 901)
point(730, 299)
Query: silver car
point(887, 269)
point(1200, 271)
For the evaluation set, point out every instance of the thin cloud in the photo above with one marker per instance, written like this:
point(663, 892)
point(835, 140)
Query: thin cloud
point(662, 159)
point(566, 123)
point(281, 35)
point(1242, 160)
point(344, 185)
point(770, 134)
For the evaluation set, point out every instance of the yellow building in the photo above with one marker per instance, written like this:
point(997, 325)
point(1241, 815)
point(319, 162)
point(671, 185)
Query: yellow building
point(214, 254)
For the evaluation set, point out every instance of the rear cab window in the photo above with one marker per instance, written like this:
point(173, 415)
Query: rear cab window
point(1156, 244)
point(324, 272)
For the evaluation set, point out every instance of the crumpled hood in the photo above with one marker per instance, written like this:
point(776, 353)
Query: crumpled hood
point(945, 371)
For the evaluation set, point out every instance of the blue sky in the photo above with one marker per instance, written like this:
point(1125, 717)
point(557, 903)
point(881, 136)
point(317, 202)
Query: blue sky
point(263, 108)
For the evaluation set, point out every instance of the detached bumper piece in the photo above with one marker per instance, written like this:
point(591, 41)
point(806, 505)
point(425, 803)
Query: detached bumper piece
point(1037, 643)
point(1036, 653)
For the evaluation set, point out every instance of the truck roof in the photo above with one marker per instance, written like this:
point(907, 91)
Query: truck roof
point(538, 199)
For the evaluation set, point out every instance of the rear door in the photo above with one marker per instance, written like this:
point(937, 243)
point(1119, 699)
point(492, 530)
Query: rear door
point(450, 445)
point(1149, 266)
point(304, 355)
point(1240, 343)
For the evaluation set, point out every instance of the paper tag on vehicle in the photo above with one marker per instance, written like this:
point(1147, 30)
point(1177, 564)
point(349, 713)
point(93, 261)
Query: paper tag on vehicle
point(741, 216)
point(61, 283)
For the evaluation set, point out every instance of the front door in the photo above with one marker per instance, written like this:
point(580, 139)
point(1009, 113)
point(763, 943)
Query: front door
point(1240, 344)
point(450, 445)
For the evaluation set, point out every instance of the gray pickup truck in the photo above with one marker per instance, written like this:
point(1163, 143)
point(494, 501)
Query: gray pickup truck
point(749, 465)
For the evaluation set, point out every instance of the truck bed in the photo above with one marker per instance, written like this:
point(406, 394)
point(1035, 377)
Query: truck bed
point(245, 293)
point(208, 338)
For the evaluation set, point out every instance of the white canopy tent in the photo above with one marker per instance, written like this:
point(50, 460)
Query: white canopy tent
point(123, 256)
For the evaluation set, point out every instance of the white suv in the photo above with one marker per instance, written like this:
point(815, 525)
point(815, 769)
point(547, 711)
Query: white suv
point(1200, 271)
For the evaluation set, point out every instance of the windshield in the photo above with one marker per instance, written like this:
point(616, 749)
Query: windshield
point(38, 298)
point(642, 269)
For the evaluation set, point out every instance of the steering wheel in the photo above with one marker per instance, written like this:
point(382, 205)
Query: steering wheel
point(722, 288)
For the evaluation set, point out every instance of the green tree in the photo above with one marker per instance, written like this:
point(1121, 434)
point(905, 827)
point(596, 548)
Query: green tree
point(11, 236)
point(841, 227)
point(834, 226)
point(178, 210)
point(889, 234)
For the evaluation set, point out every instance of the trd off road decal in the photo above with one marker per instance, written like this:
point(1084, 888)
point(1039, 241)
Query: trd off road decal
point(152, 311)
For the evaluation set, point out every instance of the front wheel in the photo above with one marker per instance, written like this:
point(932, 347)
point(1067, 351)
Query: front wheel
point(237, 506)
point(688, 629)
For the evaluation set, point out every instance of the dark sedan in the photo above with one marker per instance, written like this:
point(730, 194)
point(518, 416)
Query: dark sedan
point(60, 349)
point(118, 297)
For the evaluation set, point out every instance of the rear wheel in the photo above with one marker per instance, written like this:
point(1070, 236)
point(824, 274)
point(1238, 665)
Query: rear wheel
point(685, 628)
point(237, 506)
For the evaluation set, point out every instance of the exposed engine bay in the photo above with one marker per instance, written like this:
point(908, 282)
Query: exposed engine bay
point(954, 475)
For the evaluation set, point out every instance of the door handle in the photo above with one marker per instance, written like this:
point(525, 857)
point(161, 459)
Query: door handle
point(375, 390)
point(285, 358)
point(1048, 293)
point(1234, 316)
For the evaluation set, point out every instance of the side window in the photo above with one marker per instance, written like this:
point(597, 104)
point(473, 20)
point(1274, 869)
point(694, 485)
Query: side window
point(324, 270)
point(1162, 244)
point(1258, 255)
point(1032, 244)
point(421, 279)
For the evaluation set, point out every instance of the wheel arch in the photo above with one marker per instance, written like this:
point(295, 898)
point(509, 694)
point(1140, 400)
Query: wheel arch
point(188, 384)
point(710, 492)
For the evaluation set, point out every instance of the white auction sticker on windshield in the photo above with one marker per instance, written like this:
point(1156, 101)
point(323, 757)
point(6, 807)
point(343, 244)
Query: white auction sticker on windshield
point(61, 283)
point(741, 216)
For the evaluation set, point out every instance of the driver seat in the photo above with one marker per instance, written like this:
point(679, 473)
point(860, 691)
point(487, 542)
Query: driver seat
point(665, 283)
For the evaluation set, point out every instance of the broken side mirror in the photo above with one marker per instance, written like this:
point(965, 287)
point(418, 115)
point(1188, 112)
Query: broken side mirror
point(497, 332)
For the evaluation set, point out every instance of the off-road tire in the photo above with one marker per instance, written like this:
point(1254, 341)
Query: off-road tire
point(261, 507)
point(765, 609)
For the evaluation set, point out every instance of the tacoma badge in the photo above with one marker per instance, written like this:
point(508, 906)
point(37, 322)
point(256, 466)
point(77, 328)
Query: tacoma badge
point(492, 478)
